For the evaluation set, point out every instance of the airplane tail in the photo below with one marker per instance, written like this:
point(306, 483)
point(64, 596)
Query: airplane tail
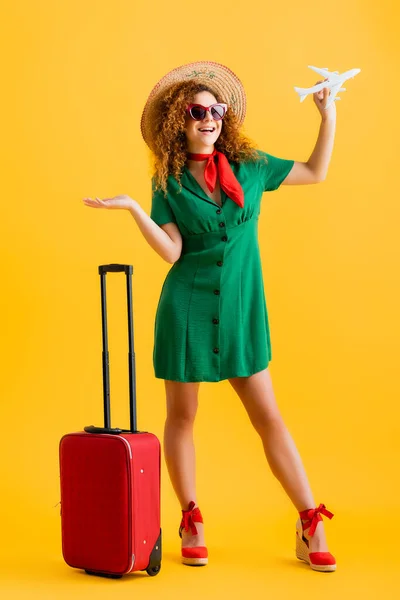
point(303, 93)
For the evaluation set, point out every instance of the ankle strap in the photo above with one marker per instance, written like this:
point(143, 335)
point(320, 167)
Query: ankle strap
point(189, 517)
point(312, 516)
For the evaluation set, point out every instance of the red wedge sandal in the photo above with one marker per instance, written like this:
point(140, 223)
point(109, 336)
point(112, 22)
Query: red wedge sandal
point(196, 556)
point(318, 561)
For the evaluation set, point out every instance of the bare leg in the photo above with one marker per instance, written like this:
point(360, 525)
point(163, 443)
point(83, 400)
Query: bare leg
point(179, 450)
point(258, 398)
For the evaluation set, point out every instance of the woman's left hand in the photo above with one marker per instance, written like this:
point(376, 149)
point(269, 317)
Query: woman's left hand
point(320, 99)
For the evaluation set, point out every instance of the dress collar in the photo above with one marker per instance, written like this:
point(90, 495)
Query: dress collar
point(189, 182)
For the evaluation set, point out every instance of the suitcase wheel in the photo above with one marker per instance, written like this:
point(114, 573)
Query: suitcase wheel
point(153, 570)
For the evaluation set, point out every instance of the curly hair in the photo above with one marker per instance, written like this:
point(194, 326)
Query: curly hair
point(169, 138)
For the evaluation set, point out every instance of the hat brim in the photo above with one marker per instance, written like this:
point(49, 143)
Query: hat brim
point(220, 78)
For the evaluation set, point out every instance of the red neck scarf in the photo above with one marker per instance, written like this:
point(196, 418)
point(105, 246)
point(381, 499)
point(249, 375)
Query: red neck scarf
point(227, 179)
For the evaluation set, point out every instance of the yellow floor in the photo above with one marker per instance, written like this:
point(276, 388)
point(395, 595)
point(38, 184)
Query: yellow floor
point(262, 565)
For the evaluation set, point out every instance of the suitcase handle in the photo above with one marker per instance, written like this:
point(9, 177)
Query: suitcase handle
point(116, 269)
point(128, 270)
point(93, 429)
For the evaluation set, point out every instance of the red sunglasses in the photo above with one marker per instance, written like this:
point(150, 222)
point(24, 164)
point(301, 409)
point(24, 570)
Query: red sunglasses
point(198, 112)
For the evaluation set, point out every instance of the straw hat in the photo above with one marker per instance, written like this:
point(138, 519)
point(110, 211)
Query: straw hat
point(220, 78)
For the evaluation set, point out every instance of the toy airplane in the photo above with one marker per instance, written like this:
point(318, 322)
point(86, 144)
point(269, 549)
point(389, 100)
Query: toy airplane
point(334, 83)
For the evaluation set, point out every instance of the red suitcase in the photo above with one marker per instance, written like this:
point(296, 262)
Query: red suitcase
point(110, 482)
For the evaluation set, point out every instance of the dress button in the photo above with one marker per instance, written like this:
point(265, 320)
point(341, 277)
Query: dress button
point(216, 350)
point(224, 238)
point(219, 211)
point(216, 292)
point(222, 224)
point(215, 321)
point(219, 263)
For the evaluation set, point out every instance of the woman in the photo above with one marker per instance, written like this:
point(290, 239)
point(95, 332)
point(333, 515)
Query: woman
point(212, 322)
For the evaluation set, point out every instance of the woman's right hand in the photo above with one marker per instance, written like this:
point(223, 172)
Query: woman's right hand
point(123, 201)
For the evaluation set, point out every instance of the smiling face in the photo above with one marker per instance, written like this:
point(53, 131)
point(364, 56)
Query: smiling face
point(198, 142)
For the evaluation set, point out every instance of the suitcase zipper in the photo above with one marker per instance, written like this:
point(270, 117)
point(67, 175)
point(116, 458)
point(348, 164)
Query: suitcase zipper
point(130, 503)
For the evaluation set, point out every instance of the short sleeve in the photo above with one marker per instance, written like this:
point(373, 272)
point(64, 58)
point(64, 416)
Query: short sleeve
point(274, 172)
point(161, 212)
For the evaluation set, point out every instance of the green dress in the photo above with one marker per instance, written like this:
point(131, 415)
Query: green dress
point(211, 321)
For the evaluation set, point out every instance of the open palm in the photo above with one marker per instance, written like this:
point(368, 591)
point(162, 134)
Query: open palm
point(118, 202)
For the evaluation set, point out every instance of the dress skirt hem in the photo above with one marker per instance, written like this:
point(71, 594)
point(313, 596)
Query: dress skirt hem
point(158, 375)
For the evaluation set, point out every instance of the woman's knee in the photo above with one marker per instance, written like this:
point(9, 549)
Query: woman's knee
point(182, 402)
point(258, 398)
point(267, 423)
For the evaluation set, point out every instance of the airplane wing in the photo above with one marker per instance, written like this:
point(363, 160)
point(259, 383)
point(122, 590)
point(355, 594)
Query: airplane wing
point(334, 90)
point(323, 72)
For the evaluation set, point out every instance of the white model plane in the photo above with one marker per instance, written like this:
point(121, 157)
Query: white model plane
point(334, 83)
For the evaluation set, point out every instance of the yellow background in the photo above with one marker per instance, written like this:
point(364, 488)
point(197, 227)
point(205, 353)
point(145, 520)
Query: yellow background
point(75, 77)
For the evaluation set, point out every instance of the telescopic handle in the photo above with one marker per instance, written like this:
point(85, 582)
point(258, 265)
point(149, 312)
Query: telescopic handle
point(128, 270)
